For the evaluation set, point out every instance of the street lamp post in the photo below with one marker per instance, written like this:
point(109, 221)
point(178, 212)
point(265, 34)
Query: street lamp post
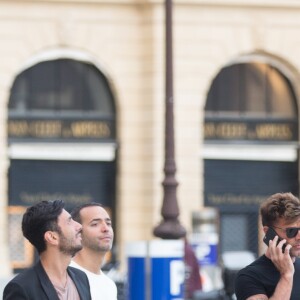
point(169, 227)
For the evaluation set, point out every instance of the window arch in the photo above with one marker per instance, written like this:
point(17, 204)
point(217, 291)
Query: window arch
point(254, 88)
point(62, 85)
point(62, 99)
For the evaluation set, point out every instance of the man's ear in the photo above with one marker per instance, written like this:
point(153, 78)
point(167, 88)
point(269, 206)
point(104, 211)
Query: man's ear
point(51, 237)
point(265, 229)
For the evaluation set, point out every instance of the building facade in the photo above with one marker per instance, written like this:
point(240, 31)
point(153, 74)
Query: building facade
point(82, 112)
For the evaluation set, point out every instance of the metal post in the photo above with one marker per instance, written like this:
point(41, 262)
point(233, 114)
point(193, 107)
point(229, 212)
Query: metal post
point(170, 227)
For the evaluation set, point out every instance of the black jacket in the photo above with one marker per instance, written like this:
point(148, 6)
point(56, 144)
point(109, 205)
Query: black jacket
point(34, 284)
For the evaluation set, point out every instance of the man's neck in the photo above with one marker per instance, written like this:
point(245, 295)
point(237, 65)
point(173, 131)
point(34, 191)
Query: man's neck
point(55, 265)
point(90, 260)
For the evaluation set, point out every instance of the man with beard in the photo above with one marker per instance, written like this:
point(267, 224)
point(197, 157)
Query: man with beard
point(57, 238)
point(97, 239)
point(274, 275)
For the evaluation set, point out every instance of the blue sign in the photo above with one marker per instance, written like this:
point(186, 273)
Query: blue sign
point(155, 270)
point(205, 246)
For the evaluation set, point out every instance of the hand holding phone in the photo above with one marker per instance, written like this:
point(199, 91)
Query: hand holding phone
point(270, 235)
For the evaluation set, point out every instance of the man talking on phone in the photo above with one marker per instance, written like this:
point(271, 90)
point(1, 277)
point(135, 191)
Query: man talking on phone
point(276, 274)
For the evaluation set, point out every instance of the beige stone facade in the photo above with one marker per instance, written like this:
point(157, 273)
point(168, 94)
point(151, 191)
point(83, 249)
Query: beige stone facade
point(125, 40)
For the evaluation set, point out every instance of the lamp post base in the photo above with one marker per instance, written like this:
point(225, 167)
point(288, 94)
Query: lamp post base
point(169, 230)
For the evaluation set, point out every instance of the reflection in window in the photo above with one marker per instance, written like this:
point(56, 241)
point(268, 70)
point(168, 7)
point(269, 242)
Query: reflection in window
point(251, 89)
point(234, 233)
point(62, 85)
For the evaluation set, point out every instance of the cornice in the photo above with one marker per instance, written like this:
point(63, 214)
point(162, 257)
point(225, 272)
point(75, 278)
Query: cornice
point(220, 3)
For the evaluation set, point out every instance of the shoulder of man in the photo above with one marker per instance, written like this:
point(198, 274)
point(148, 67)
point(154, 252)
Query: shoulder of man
point(76, 271)
point(78, 275)
point(81, 281)
point(24, 286)
point(27, 275)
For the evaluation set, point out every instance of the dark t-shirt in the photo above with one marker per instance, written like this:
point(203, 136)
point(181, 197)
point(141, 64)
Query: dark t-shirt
point(261, 277)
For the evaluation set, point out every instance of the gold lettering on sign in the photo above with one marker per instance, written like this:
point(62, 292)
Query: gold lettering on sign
point(209, 130)
point(17, 128)
point(274, 131)
point(35, 128)
point(262, 131)
point(231, 130)
point(91, 129)
point(225, 130)
point(69, 197)
point(58, 129)
point(45, 129)
point(231, 199)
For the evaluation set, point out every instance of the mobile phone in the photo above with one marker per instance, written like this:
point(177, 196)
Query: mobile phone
point(270, 235)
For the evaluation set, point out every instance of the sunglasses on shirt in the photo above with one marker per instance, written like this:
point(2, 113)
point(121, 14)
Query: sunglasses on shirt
point(290, 232)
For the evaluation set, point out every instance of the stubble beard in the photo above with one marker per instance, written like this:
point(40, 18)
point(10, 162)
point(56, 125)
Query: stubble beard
point(68, 246)
point(96, 246)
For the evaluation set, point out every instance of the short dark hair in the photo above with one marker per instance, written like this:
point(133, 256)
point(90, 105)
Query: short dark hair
point(40, 218)
point(280, 206)
point(75, 213)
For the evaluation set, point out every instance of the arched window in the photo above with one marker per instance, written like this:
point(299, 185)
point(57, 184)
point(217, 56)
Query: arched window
point(251, 101)
point(62, 85)
point(251, 90)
